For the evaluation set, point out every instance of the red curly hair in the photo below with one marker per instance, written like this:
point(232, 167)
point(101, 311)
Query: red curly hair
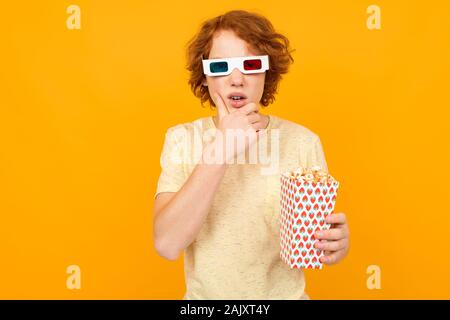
point(258, 32)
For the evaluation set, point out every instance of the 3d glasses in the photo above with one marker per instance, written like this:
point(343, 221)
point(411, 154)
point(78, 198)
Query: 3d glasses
point(224, 66)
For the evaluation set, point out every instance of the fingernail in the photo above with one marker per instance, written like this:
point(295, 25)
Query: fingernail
point(318, 234)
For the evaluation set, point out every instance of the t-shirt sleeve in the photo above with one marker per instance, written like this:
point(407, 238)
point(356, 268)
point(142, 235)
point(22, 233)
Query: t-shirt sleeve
point(172, 175)
point(317, 155)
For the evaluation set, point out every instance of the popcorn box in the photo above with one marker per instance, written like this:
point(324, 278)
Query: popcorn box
point(304, 208)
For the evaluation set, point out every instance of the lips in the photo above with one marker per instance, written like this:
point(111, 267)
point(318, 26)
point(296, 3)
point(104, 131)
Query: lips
point(238, 103)
point(237, 99)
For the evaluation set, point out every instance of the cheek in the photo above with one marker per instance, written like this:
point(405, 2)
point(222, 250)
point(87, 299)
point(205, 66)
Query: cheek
point(215, 84)
point(258, 84)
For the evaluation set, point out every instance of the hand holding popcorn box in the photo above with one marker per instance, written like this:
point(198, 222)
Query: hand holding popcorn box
point(308, 196)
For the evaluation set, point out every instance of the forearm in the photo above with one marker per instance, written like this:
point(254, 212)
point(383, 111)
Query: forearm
point(178, 223)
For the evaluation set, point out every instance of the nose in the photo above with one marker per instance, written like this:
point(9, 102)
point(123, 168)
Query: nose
point(236, 78)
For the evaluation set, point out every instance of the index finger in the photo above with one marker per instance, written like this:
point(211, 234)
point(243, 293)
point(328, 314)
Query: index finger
point(336, 218)
point(221, 108)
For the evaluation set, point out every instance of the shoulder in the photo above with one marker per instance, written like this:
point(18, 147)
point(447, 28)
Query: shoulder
point(188, 129)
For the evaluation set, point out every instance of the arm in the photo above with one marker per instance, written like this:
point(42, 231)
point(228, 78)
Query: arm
point(179, 216)
point(336, 241)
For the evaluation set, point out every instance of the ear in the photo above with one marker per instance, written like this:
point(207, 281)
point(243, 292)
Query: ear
point(204, 84)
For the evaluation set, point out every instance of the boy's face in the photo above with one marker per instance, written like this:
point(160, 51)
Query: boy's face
point(226, 44)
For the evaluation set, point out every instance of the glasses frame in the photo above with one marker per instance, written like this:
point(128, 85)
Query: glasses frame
point(235, 62)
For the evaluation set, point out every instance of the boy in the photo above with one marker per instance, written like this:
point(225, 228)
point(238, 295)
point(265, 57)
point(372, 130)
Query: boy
point(223, 214)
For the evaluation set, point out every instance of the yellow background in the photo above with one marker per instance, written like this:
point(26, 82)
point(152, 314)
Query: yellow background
point(83, 115)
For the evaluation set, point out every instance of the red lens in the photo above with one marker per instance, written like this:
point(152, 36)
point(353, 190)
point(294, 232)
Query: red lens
point(253, 64)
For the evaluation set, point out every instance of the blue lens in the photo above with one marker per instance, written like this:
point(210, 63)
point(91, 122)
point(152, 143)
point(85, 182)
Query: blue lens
point(217, 67)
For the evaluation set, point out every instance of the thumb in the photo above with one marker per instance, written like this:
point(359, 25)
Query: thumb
point(221, 108)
